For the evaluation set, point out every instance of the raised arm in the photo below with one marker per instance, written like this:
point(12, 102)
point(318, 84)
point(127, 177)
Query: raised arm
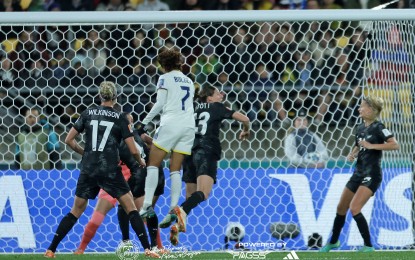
point(246, 130)
point(158, 106)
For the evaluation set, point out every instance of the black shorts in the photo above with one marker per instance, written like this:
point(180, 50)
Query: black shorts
point(356, 181)
point(137, 182)
point(199, 163)
point(89, 184)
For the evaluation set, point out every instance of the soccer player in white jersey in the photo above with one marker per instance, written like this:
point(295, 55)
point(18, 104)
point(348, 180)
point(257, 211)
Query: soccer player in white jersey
point(176, 132)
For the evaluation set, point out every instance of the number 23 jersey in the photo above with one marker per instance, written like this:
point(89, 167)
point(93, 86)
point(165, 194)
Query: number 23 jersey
point(209, 117)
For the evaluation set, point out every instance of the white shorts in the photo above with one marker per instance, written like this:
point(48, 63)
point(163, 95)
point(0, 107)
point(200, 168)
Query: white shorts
point(180, 140)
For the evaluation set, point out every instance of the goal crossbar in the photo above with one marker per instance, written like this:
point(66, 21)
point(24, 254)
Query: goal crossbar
point(23, 18)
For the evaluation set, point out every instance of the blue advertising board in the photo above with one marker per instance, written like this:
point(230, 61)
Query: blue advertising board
point(33, 202)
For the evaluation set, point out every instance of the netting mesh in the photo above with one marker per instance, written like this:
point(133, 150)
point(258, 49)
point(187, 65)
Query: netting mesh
point(269, 70)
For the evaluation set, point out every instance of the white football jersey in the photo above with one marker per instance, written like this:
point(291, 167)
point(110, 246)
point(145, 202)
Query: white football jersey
point(178, 109)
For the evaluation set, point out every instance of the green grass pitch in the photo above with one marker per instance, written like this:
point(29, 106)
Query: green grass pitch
point(302, 255)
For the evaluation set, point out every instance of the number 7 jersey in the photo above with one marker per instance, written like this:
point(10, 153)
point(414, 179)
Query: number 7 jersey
point(178, 109)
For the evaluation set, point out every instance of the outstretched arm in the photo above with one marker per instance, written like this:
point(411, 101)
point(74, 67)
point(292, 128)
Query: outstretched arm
point(158, 106)
point(246, 131)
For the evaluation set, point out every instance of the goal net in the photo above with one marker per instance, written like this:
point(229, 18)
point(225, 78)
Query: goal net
point(273, 66)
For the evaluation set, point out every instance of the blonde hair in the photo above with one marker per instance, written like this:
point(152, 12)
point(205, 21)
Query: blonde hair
point(107, 91)
point(376, 103)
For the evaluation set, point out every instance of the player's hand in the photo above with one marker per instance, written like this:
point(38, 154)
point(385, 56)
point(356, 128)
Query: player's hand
point(365, 144)
point(351, 157)
point(147, 139)
point(142, 129)
point(142, 162)
point(244, 135)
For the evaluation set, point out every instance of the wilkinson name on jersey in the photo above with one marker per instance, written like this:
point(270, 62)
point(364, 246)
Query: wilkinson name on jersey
point(99, 112)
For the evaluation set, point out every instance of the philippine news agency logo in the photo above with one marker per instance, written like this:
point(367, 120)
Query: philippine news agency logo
point(255, 250)
point(127, 250)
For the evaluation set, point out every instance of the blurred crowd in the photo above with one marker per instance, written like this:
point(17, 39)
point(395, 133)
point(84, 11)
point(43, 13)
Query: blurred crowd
point(158, 5)
point(282, 67)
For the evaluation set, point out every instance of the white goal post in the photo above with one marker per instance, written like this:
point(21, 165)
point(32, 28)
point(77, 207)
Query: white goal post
point(270, 64)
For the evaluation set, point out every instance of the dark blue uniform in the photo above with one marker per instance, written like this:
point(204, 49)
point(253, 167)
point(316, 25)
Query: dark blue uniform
point(368, 171)
point(104, 129)
point(206, 150)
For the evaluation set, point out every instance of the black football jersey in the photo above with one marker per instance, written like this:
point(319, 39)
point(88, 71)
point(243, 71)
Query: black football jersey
point(209, 118)
point(104, 129)
point(128, 159)
point(369, 160)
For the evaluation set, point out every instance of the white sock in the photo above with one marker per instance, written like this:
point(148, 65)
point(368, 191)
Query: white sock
point(152, 180)
point(176, 188)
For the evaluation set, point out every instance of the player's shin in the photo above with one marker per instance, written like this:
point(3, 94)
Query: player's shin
point(195, 199)
point(91, 229)
point(337, 227)
point(363, 228)
point(152, 225)
point(64, 227)
point(176, 188)
point(138, 226)
point(150, 186)
point(124, 223)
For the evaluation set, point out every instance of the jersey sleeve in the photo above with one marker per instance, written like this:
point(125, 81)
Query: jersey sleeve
point(80, 123)
point(384, 132)
point(126, 128)
point(161, 83)
point(224, 111)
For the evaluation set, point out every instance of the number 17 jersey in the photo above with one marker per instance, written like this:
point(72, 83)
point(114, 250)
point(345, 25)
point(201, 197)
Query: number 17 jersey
point(104, 129)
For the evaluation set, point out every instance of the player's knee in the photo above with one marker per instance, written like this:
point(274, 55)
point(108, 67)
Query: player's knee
point(355, 209)
point(79, 207)
point(341, 209)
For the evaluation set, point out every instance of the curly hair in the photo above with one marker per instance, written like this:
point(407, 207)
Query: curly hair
point(170, 60)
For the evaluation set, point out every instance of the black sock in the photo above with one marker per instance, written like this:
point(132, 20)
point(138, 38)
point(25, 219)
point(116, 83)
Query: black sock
point(138, 225)
point(124, 223)
point(363, 228)
point(152, 226)
point(337, 227)
point(192, 202)
point(64, 227)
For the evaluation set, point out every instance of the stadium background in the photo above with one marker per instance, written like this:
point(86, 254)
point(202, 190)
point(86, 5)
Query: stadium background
point(244, 166)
